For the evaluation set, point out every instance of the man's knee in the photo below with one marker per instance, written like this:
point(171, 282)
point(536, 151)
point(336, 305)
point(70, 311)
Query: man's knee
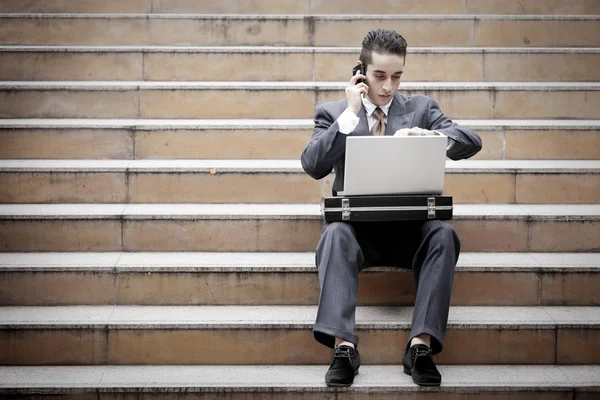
point(339, 230)
point(442, 233)
point(441, 229)
point(339, 239)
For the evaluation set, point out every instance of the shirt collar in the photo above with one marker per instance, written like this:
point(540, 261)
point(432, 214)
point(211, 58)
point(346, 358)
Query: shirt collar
point(370, 107)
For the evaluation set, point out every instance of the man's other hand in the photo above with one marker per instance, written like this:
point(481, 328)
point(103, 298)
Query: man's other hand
point(355, 92)
point(416, 131)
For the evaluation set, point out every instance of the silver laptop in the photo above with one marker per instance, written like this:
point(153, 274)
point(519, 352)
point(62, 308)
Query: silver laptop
point(394, 165)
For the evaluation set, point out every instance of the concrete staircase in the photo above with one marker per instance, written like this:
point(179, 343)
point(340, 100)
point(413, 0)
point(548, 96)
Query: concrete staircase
point(157, 231)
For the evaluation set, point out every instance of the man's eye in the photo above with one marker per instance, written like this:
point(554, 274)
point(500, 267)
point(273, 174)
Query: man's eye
point(396, 77)
point(379, 76)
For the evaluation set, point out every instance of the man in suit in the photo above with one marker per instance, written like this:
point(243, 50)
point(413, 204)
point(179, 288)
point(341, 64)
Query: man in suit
point(431, 248)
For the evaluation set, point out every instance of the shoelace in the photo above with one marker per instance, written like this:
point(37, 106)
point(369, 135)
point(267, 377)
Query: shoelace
point(342, 352)
point(419, 351)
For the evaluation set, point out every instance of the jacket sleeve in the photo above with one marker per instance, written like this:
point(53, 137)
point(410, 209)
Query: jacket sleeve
point(326, 146)
point(466, 144)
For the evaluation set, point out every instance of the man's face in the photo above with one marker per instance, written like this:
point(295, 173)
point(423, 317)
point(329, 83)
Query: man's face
point(383, 77)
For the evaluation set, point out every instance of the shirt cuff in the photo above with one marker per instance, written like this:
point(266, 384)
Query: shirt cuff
point(347, 122)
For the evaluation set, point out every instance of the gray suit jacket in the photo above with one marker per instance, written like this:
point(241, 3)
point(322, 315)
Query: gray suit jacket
point(327, 147)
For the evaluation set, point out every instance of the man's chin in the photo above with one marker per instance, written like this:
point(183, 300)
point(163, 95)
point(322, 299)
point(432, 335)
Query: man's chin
point(382, 99)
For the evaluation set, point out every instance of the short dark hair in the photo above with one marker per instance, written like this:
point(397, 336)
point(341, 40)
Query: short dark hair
point(382, 41)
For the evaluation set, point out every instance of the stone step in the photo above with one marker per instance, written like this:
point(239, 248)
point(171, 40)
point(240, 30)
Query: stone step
point(297, 30)
point(481, 279)
point(589, 7)
point(277, 181)
point(140, 99)
point(176, 63)
point(274, 227)
point(263, 139)
point(265, 334)
point(258, 382)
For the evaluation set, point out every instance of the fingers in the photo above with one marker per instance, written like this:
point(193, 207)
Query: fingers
point(362, 85)
point(356, 77)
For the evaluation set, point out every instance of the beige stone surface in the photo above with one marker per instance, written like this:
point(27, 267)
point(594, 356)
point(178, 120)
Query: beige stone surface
point(273, 395)
point(375, 289)
point(577, 7)
point(73, 31)
point(215, 347)
point(66, 144)
point(416, 32)
point(221, 235)
point(492, 235)
point(569, 67)
point(382, 346)
point(575, 346)
point(463, 396)
point(541, 33)
point(565, 236)
point(388, 6)
point(546, 105)
point(480, 188)
point(463, 104)
point(218, 288)
point(61, 66)
point(444, 67)
point(222, 188)
point(63, 187)
point(419, 67)
point(60, 235)
point(56, 347)
point(227, 32)
point(220, 144)
point(553, 144)
point(76, 6)
point(386, 288)
point(493, 145)
point(68, 104)
point(558, 188)
point(232, 6)
point(367, 395)
point(498, 346)
point(232, 66)
point(227, 103)
point(56, 288)
point(496, 289)
point(571, 289)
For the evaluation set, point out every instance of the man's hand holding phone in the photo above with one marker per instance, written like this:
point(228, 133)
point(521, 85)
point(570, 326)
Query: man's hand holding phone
point(356, 90)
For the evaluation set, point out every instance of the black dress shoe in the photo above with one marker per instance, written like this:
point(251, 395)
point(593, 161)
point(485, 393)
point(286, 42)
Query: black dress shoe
point(419, 364)
point(344, 366)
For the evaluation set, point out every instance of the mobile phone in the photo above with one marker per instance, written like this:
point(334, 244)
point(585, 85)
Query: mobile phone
point(359, 67)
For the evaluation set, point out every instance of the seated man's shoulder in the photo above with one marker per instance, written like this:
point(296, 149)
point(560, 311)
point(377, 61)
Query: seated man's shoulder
point(417, 100)
point(333, 108)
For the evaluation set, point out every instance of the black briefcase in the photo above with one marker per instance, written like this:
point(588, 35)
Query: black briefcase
point(386, 208)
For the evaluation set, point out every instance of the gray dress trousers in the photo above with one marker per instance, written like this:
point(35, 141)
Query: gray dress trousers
point(429, 248)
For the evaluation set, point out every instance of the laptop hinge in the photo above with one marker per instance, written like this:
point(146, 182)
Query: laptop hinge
point(346, 209)
point(431, 207)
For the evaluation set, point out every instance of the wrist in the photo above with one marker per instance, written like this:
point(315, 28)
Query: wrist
point(353, 110)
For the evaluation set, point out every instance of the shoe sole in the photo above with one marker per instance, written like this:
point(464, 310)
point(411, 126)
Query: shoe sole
point(342, 384)
point(407, 372)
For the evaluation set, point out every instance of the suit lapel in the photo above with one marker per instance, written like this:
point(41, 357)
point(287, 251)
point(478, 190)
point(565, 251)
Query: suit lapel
point(397, 116)
point(362, 129)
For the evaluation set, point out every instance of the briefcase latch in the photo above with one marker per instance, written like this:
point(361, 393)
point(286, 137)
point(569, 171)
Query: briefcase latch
point(345, 209)
point(431, 207)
